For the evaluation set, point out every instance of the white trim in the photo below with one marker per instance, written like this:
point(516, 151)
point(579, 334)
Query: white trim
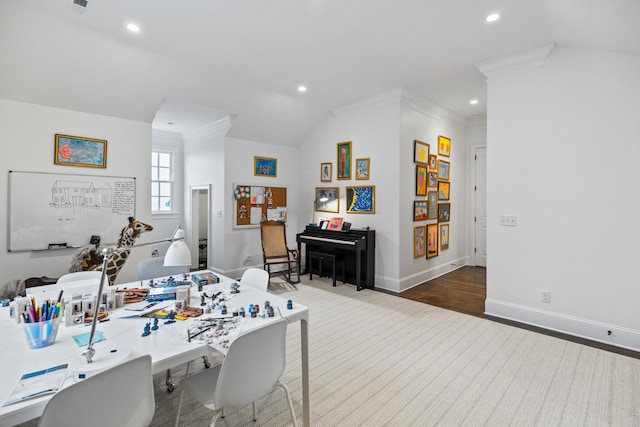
point(595, 331)
point(521, 61)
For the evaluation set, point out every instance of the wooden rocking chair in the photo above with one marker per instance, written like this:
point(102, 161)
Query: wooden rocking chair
point(275, 250)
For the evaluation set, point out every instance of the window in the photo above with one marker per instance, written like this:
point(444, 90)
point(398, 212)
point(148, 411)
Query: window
point(161, 182)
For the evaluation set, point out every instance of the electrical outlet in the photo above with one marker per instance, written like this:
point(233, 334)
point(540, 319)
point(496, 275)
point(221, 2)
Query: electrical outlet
point(508, 220)
point(545, 296)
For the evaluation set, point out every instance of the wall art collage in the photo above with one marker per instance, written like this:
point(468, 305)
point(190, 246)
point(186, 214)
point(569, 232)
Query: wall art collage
point(360, 199)
point(433, 186)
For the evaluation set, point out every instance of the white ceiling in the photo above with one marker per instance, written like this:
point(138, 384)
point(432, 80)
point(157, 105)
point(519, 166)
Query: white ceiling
point(196, 61)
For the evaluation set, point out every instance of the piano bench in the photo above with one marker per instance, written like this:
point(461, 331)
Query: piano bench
point(320, 256)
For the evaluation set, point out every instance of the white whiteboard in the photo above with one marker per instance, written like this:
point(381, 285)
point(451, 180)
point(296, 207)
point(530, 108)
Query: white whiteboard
point(53, 209)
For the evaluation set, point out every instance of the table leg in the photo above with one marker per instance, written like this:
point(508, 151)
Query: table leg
point(304, 342)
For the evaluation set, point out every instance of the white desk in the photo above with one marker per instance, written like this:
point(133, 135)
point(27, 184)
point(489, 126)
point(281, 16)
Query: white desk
point(16, 358)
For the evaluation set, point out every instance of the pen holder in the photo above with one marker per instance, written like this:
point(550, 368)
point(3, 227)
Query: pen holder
point(41, 334)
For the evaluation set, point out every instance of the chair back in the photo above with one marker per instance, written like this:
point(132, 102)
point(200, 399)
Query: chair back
point(253, 365)
point(152, 268)
point(256, 277)
point(274, 239)
point(119, 396)
point(79, 275)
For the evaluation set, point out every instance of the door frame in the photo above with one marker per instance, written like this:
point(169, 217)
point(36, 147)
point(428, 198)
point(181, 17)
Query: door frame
point(194, 191)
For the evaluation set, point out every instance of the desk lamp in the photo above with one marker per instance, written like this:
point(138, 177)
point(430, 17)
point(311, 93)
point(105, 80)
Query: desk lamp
point(322, 198)
point(178, 254)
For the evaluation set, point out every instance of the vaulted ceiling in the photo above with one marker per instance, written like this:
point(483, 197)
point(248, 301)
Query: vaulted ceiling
point(196, 61)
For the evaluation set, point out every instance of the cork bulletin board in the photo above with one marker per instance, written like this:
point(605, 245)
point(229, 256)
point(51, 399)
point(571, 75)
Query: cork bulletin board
point(256, 202)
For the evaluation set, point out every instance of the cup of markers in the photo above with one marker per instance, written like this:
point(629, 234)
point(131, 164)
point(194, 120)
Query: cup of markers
point(41, 325)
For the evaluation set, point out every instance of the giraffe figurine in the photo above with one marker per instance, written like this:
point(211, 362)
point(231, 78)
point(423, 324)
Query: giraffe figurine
point(128, 235)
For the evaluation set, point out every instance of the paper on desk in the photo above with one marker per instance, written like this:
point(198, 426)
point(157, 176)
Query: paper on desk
point(83, 339)
point(39, 383)
point(143, 308)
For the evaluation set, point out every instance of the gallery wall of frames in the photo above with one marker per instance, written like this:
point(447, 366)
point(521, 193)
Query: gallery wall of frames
point(359, 199)
point(432, 207)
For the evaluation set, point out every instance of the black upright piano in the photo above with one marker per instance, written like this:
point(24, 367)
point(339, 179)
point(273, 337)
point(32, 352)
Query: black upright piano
point(357, 246)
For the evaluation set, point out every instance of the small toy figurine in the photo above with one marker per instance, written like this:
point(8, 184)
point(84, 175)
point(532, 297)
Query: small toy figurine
point(289, 305)
point(147, 329)
point(202, 303)
point(155, 324)
point(171, 318)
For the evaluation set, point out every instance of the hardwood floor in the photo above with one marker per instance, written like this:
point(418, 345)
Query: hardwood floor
point(465, 290)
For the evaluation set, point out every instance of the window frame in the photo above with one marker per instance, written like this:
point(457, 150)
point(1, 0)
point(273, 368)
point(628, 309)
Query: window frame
point(171, 181)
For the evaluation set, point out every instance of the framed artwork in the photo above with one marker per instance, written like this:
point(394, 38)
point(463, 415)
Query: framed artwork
point(433, 162)
point(444, 212)
point(421, 180)
point(444, 237)
point(361, 199)
point(443, 169)
point(420, 210)
point(432, 240)
point(78, 151)
point(326, 172)
point(432, 179)
point(444, 146)
point(335, 224)
point(432, 205)
point(362, 168)
point(420, 152)
point(418, 241)
point(343, 163)
point(265, 166)
point(327, 199)
point(443, 190)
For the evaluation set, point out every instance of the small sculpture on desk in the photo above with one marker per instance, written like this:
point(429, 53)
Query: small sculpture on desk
point(155, 324)
point(171, 318)
point(147, 329)
point(202, 302)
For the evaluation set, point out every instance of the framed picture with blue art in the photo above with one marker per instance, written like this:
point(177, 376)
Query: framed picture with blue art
point(265, 166)
point(361, 200)
point(80, 151)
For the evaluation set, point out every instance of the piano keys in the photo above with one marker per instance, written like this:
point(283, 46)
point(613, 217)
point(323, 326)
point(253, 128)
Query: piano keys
point(358, 247)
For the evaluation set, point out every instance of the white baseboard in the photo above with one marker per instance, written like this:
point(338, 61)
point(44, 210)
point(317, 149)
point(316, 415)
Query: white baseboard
point(584, 328)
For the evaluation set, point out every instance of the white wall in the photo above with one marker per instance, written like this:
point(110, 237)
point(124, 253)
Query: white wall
point(245, 242)
point(165, 224)
point(424, 121)
point(383, 128)
point(204, 165)
point(27, 136)
point(563, 157)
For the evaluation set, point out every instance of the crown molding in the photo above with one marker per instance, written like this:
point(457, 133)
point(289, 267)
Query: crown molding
point(429, 108)
point(217, 128)
point(382, 100)
point(521, 61)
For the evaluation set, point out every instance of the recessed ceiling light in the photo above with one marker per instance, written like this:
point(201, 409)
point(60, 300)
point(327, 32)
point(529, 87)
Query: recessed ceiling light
point(473, 102)
point(493, 17)
point(133, 28)
point(302, 88)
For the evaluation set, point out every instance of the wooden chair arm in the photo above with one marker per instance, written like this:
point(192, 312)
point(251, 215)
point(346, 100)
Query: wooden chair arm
point(294, 252)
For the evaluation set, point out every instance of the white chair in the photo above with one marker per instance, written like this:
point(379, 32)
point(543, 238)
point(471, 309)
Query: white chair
point(251, 369)
point(256, 277)
point(79, 275)
point(152, 268)
point(119, 396)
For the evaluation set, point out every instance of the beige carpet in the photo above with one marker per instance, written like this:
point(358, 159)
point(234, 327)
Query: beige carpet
point(379, 360)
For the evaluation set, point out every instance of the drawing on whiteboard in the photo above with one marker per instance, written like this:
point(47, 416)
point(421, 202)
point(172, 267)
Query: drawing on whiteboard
point(78, 195)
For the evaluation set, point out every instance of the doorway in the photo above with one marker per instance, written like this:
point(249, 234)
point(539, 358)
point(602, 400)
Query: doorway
point(200, 225)
point(480, 206)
